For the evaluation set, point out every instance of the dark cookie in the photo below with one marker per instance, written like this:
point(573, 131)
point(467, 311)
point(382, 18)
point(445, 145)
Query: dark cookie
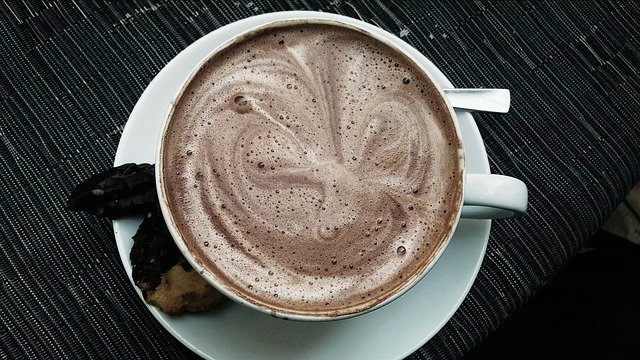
point(153, 252)
point(128, 189)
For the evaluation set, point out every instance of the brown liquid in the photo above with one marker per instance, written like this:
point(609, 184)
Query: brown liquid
point(312, 169)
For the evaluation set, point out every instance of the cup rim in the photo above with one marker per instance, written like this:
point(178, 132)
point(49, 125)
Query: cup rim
point(318, 18)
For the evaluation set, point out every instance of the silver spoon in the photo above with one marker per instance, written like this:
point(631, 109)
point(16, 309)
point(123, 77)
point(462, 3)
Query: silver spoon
point(490, 100)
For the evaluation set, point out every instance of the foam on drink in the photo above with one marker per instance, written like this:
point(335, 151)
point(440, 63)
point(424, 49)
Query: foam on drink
point(313, 169)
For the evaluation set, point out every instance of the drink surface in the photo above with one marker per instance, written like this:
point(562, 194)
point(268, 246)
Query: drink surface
point(312, 169)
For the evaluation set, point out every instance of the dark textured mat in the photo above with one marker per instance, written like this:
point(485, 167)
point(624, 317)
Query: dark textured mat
point(71, 71)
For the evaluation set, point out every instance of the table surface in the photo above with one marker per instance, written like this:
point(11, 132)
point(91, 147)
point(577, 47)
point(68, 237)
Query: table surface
point(71, 72)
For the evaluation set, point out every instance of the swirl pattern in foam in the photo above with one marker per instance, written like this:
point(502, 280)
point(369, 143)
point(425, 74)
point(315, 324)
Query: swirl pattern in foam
point(312, 169)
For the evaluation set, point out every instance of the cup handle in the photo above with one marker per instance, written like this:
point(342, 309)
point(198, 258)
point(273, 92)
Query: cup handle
point(491, 196)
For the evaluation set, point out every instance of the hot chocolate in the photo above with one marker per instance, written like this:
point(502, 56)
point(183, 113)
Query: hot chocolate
point(312, 169)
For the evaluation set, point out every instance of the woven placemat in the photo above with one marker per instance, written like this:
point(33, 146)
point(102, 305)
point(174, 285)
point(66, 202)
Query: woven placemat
point(71, 72)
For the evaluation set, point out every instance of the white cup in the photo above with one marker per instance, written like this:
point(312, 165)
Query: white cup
point(486, 196)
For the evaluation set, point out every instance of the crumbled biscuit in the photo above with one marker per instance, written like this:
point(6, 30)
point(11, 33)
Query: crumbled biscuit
point(183, 290)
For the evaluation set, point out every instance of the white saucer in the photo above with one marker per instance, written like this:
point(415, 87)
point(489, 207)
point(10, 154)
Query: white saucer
point(236, 332)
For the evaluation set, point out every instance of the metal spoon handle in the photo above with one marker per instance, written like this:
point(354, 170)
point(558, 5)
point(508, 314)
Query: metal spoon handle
point(490, 100)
